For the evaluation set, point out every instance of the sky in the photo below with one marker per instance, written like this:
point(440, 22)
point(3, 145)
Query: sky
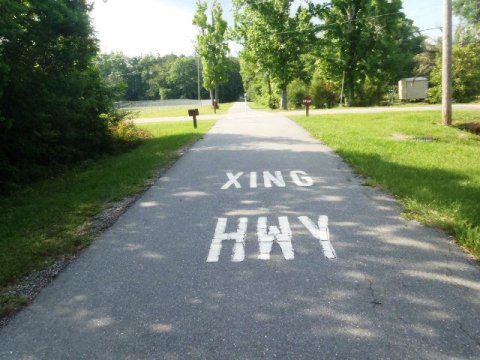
point(137, 27)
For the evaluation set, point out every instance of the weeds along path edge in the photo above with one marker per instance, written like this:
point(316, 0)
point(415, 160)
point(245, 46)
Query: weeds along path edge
point(47, 225)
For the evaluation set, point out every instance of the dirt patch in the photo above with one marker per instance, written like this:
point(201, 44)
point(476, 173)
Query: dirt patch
point(401, 137)
point(473, 127)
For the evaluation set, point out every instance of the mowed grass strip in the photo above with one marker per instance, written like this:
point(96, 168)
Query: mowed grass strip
point(170, 111)
point(44, 222)
point(437, 182)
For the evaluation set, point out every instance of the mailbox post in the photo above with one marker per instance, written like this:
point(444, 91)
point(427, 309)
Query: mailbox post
point(307, 101)
point(194, 113)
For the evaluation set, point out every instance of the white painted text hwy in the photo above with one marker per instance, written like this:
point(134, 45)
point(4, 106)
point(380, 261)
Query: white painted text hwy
point(267, 236)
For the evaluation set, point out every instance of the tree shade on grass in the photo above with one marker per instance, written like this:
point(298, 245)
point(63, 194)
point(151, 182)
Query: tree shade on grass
point(437, 181)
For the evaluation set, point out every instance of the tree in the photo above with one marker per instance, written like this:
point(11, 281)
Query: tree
point(113, 70)
point(273, 40)
point(466, 70)
point(212, 46)
point(469, 10)
point(369, 43)
point(233, 88)
point(51, 95)
point(183, 78)
point(425, 61)
point(468, 31)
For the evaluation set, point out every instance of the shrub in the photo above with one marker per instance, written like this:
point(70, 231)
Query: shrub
point(273, 102)
point(296, 91)
point(325, 93)
point(466, 74)
point(127, 135)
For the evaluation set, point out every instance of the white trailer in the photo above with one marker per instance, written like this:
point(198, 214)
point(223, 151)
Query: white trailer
point(414, 88)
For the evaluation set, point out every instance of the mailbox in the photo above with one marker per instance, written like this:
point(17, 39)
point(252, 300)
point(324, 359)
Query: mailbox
point(193, 112)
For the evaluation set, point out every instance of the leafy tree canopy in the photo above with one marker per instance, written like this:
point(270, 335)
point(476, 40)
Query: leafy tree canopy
point(212, 45)
point(51, 95)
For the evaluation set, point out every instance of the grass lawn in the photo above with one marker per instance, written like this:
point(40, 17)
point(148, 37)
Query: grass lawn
point(167, 111)
point(44, 222)
point(437, 182)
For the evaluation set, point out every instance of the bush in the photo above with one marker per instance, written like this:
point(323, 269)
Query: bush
point(325, 93)
point(466, 74)
point(127, 135)
point(296, 91)
point(273, 102)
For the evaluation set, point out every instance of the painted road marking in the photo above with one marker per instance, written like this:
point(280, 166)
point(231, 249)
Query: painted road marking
point(298, 177)
point(303, 180)
point(321, 233)
point(268, 179)
point(232, 180)
point(253, 180)
point(238, 253)
point(267, 235)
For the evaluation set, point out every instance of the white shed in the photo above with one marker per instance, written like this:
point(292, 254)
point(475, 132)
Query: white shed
point(414, 88)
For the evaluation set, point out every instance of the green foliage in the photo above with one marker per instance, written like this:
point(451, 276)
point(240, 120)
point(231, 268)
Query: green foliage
point(162, 77)
point(353, 40)
point(297, 90)
point(373, 50)
point(466, 74)
point(425, 61)
point(272, 101)
point(273, 41)
point(468, 31)
point(127, 135)
point(113, 69)
point(469, 10)
point(324, 93)
point(182, 78)
point(51, 95)
point(232, 89)
point(212, 45)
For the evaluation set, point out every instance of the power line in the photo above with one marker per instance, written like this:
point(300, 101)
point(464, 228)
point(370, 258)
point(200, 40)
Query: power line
point(321, 27)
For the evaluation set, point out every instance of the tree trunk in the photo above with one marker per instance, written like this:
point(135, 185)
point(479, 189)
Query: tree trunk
point(216, 94)
point(284, 98)
point(211, 96)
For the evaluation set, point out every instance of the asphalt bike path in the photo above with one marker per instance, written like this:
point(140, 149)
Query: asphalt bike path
point(259, 243)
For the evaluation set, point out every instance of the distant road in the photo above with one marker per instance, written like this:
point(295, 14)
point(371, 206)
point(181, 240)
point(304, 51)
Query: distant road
point(353, 110)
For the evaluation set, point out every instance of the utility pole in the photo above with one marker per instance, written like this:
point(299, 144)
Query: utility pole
point(447, 63)
point(343, 87)
point(198, 79)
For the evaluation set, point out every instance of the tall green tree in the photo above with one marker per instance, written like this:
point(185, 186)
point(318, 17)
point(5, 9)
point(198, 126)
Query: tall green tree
point(183, 78)
point(273, 40)
point(469, 10)
point(113, 69)
point(466, 70)
point(212, 46)
point(51, 95)
point(468, 31)
point(368, 43)
point(233, 88)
